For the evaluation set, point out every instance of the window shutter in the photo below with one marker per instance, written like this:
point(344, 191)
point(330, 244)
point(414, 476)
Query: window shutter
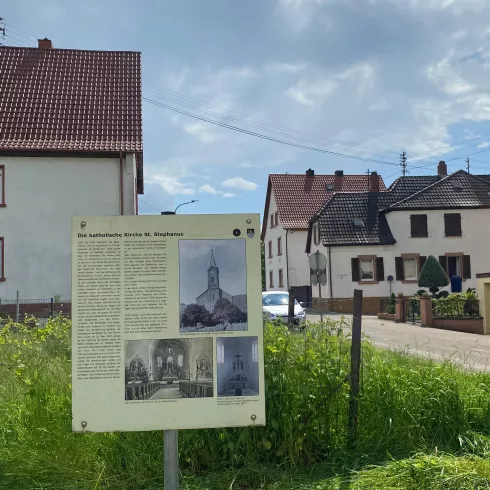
point(466, 267)
point(443, 262)
point(418, 226)
point(356, 276)
point(452, 224)
point(380, 269)
point(421, 263)
point(399, 269)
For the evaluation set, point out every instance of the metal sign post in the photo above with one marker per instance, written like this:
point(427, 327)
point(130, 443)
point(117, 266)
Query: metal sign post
point(318, 274)
point(171, 459)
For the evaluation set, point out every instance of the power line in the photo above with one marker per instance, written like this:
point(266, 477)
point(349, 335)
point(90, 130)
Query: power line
point(148, 204)
point(196, 105)
point(268, 138)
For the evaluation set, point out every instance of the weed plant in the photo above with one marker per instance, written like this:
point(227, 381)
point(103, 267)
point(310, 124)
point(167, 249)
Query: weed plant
point(422, 421)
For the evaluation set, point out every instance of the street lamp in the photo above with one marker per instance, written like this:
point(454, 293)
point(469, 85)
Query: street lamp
point(184, 203)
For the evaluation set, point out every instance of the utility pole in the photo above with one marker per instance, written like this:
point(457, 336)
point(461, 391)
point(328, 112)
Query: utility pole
point(403, 163)
point(468, 164)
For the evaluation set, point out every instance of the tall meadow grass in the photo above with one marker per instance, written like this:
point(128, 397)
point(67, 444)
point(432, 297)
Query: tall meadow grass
point(407, 406)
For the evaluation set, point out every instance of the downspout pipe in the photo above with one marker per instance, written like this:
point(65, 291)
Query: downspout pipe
point(287, 261)
point(330, 271)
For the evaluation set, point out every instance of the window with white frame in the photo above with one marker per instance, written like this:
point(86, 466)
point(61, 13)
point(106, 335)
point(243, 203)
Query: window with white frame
point(410, 268)
point(367, 269)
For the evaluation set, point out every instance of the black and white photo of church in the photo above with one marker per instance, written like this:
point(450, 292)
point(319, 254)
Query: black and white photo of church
point(168, 369)
point(237, 366)
point(213, 285)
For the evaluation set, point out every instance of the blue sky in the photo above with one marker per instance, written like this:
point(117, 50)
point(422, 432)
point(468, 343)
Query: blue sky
point(366, 78)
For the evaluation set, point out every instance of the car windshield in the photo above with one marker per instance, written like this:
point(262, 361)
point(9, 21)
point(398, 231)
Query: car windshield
point(276, 299)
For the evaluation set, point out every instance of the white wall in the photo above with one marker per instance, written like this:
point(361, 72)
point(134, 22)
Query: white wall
point(296, 259)
point(42, 194)
point(276, 262)
point(475, 231)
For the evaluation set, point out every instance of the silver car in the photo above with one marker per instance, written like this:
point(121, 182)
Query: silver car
point(275, 306)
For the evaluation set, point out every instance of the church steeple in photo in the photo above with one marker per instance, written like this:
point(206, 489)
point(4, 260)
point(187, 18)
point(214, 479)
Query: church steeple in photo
point(213, 273)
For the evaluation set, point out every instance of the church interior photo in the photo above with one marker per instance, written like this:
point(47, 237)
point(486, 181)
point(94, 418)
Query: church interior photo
point(168, 368)
point(237, 366)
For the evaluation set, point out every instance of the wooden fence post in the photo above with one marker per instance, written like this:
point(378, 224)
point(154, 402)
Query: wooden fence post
point(355, 363)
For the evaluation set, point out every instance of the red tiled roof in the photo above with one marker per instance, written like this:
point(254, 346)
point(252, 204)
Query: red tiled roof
point(70, 100)
point(299, 197)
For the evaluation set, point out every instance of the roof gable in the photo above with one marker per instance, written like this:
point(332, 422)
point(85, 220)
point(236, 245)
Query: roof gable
point(70, 100)
point(337, 215)
point(299, 197)
point(458, 190)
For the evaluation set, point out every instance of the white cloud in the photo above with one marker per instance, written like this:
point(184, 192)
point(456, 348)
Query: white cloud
point(173, 185)
point(209, 189)
point(485, 144)
point(240, 183)
point(311, 93)
point(228, 194)
point(202, 130)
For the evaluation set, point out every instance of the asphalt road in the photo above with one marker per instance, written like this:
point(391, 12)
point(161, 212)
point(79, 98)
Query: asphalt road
point(468, 350)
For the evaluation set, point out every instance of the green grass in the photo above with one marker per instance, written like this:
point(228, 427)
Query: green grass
point(421, 424)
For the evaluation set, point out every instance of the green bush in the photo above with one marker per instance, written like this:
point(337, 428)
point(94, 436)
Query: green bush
point(407, 405)
point(433, 276)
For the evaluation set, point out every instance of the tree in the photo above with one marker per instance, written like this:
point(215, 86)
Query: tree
point(433, 276)
point(194, 314)
point(225, 312)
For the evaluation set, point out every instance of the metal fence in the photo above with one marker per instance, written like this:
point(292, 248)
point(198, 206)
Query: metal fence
point(455, 308)
point(411, 308)
point(18, 309)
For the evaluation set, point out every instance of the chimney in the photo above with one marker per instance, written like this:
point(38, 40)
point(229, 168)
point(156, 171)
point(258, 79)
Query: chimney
point(373, 182)
point(44, 43)
point(310, 173)
point(339, 176)
point(442, 169)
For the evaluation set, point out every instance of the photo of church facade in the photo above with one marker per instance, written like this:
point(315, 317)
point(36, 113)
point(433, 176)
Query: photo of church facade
point(237, 366)
point(213, 285)
point(168, 368)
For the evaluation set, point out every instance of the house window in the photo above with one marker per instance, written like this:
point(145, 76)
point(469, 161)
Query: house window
point(272, 220)
point(316, 233)
point(281, 279)
point(452, 224)
point(418, 226)
point(367, 269)
point(270, 249)
point(271, 279)
point(456, 265)
point(410, 268)
point(279, 246)
point(276, 218)
point(2, 259)
point(2, 186)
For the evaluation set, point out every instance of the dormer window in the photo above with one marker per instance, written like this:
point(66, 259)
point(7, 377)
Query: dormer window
point(358, 223)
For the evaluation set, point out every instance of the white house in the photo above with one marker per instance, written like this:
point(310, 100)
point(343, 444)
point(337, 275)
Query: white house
point(291, 201)
point(379, 241)
point(70, 144)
